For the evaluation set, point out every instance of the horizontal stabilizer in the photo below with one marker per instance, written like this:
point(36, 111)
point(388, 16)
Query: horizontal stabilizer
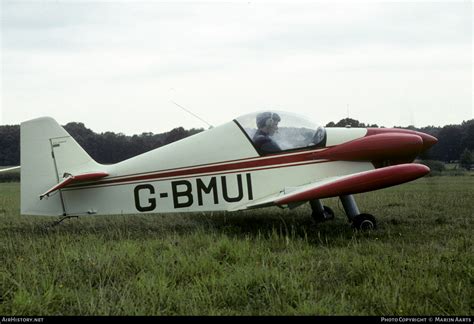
point(10, 169)
point(70, 179)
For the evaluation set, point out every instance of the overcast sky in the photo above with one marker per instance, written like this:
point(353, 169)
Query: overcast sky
point(119, 65)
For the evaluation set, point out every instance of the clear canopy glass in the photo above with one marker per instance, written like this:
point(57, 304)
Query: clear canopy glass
point(275, 131)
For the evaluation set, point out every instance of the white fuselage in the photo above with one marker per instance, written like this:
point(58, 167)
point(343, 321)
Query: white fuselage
point(218, 169)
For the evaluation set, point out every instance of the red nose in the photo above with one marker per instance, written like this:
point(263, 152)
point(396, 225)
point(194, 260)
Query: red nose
point(428, 140)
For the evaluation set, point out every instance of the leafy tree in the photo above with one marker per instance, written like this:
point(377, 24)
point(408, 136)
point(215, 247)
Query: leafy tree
point(449, 146)
point(467, 140)
point(434, 165)
point(349, 122)
point(466, 159)
point(10, 145)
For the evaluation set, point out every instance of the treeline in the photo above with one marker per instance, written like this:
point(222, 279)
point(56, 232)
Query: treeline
point(108, 147)
point(454, 141)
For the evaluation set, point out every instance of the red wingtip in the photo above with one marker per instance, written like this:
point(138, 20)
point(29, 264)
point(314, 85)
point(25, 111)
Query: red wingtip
point(420, 169)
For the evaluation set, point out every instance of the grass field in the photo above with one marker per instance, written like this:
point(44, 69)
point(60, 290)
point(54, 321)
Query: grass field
point(419, 261)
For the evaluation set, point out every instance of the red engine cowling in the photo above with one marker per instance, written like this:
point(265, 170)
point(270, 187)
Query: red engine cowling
point(382, 147)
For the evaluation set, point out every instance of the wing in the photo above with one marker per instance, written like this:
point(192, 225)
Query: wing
point(70, 179)
point(10, 169)
point(343, 185)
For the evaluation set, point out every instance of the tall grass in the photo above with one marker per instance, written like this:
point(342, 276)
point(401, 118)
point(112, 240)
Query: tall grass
point(264, 262)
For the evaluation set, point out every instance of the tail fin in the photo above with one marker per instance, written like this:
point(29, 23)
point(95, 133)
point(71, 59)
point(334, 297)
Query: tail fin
point(47, 153)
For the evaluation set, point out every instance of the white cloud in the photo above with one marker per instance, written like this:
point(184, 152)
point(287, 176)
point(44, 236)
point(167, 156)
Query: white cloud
point(117, 66)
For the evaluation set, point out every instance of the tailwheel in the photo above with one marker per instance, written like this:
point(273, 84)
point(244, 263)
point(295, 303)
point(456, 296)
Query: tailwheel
point(364, 222)
point(325, 215)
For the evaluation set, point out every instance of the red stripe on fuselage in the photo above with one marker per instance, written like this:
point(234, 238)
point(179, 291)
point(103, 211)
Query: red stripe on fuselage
point(117, 183)
point(220, 168)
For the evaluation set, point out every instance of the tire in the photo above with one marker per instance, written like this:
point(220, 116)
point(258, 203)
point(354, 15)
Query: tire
point(364, 222)
point(322, 217)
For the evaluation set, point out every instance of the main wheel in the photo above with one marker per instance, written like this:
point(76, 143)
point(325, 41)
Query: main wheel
point(364, 222)
point(324, 216)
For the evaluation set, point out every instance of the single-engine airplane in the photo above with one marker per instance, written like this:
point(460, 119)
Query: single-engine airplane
point(257, 160)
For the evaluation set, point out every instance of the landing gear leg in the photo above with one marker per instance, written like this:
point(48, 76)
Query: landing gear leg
point(350, 206)
point(358, 220)
point(320, 213)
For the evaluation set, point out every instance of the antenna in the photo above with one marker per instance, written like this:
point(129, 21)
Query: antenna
point(189, 112)
point(347, 119)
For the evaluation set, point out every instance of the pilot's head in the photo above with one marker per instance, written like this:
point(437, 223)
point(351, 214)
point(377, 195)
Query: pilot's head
point(268, 122)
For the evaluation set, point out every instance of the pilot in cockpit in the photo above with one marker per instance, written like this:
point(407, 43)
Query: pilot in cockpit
point(267, 124)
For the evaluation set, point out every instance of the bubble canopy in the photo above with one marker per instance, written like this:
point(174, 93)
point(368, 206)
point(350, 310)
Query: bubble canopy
point(276, 131)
